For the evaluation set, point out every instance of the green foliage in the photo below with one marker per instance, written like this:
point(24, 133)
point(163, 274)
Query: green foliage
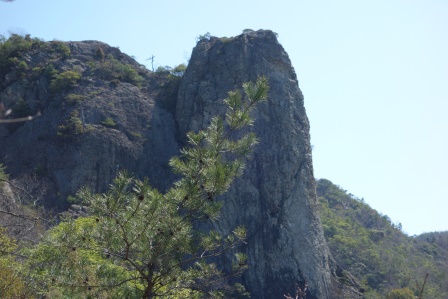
point(109, 122)
point(72, 199)
point(137, 137)
point(3, 174)
point(72, 126)
point(61, 267)
point(13, 61)
point(12, 284)
point(62, 48)
point(205, 36)
point(165, 68)
point(37, 69)
point(12, 52)
point(226, 39)
point(112, 69)
point(14, 46)
point(140, 243)
point(64, 81)
point(179, 70)
point(22, 65)
point(404, 293)
point(176, 71)
point(19, 224)
point(375, 250)
point(50, 71)
point(438, 238)
point(74, 98)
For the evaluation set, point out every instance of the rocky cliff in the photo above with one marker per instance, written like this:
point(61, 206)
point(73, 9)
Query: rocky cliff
point(102, 112)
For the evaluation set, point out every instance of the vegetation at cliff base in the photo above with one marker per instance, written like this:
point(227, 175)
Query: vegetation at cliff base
point(12, 284)
point(385, 261)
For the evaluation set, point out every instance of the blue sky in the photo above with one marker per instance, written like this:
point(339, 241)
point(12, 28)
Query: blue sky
point(374, 75)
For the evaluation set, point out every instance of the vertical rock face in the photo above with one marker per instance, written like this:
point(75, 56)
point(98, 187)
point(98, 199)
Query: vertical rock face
point(275, 199)
point(141, 141)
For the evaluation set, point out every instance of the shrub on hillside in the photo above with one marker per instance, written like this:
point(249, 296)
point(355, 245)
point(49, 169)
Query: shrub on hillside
point(64, 81)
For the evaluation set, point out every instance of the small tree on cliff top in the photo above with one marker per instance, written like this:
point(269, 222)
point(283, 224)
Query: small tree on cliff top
point(140, 243)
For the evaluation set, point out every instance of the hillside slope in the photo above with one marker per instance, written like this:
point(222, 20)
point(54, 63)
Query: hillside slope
point(376, 251)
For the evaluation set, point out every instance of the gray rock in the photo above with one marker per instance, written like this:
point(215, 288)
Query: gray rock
point(142, 141)
point(275, 199)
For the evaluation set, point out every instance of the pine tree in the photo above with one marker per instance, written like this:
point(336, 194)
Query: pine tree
point(141, 243)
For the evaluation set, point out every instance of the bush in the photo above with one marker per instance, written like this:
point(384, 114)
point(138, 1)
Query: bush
point(165, 68)
point(226, 39)
point(179, 70)
point(64, 81)
point(37, 69)
point(11, 283)
point(14, 46)
point(50, 71)
point(11, 50)
point(3, 174)
point(22, 65)
point(137, 135)
point(109, 122)
point(401, 294)
point(62, 49)
point(75, 98)
point(113, 70)
point(72, 127)
point(206, 36)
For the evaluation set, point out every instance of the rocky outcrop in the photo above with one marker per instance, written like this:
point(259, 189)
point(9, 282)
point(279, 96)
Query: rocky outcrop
point(140, 122)
point(275, 199)
point(72, 143)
